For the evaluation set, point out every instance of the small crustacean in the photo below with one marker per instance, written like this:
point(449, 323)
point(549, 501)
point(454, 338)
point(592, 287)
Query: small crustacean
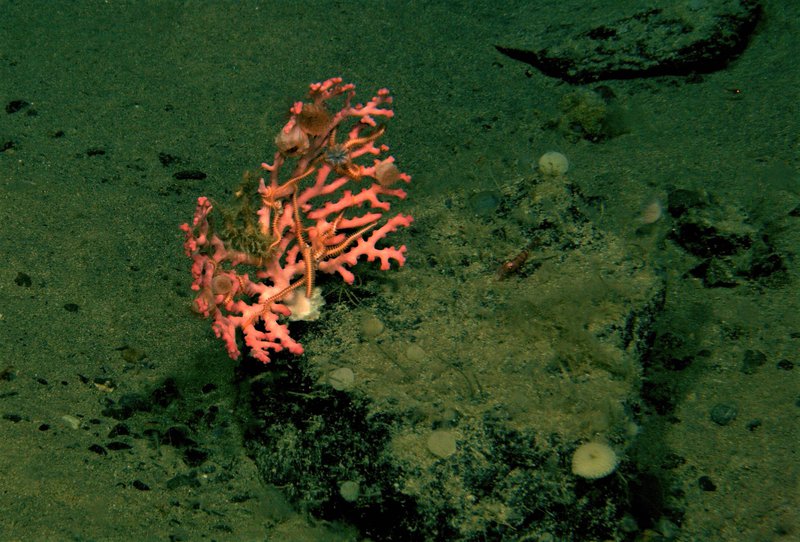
point(513, 265)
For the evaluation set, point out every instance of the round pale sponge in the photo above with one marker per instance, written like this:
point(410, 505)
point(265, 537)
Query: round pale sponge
point(594, 460)
point(553, 163)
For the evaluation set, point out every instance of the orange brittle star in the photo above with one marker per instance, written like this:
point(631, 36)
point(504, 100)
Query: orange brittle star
point(315, 253)
point(338, 156)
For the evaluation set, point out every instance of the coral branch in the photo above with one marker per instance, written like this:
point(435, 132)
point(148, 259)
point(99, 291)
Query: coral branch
point(304, 217)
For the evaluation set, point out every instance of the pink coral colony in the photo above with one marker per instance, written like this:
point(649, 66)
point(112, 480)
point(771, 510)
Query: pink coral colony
point(255, 266)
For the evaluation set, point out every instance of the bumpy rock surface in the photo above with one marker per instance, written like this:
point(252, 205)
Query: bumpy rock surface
point(517, 372)
point(669, 38)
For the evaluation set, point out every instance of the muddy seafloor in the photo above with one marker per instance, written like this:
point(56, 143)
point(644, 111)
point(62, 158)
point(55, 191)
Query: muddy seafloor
point(123, 417)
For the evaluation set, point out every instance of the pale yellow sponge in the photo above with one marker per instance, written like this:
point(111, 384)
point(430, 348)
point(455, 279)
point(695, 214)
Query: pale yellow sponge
point(594, 460)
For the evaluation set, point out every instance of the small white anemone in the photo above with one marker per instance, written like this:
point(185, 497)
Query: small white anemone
point(304, 308)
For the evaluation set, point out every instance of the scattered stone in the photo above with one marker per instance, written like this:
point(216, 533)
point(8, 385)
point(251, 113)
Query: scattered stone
point(166, 393)
point(119, 430)
point(591, 115)
point(672, 461)
point(23, 279)
point(209, 388)
point(131, 355)
point(666, 39)
point(678, 364)
point(99, 450)
point(708, 234)
point(14, 106)
point(194, 457)
point(103, 384)
point(681, 200)
point(177, 437)
point(753, 359)
point(723, 414)
point(116, 446)
point(167, 159)
point(71, 421)
point(190, 174)
point(732, 248)
point(706, 484)
point(141, 486)
point(127, 406)
point(752, 425)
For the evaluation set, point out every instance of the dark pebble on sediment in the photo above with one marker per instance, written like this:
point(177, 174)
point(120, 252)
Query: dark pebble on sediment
point(753, 359)
point(189, 174)
point(723, 414)
point(706, 484)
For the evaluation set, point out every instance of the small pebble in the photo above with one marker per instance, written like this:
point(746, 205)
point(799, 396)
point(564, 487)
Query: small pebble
point(119, 430)
point(190, 174)
point(71, 421)
point(16, 105)
point(753, 359)
point(706, 484)
point(23, 279)
point(723, 414)
point(752, 425)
